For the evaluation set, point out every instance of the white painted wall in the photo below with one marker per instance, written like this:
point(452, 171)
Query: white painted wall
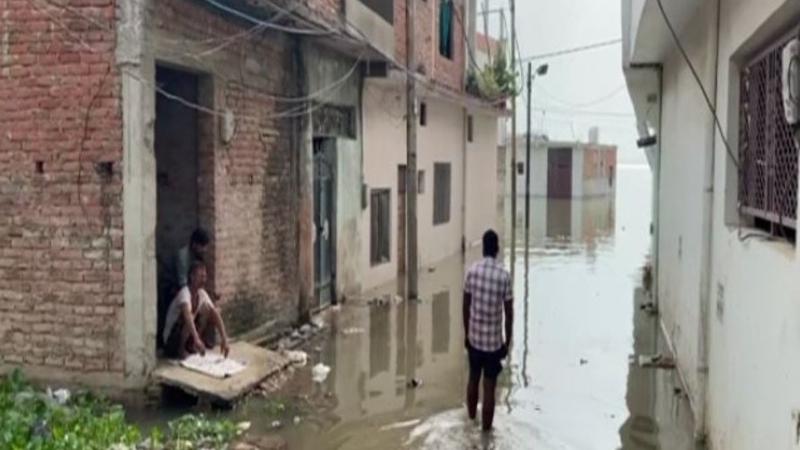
point(481, 183)
point(755, 341)
point(753, 323)
point(384, 150)
point(442, 139)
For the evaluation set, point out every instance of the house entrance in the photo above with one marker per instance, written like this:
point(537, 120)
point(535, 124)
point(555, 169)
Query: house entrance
point(176, 151)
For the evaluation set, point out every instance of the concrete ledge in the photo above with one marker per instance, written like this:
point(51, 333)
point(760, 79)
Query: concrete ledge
point(261, 364)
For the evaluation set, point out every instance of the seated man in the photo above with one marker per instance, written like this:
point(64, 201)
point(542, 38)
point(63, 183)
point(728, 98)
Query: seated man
point(176, 274)
point(193, 321)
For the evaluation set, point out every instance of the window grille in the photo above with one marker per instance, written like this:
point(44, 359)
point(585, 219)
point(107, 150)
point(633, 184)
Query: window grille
point(767, 150)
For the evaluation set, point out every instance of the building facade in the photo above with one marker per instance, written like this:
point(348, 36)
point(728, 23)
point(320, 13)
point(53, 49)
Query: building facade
point(125, 125)
point(725, 196)
point(567, 169)
point(457, 148)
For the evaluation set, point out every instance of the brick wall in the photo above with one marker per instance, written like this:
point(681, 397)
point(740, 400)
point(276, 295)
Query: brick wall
point(252, 206)
point(61, 178)
point(61, 223)
point(449, 73)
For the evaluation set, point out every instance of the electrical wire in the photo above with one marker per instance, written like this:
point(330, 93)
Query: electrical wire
point(470, 51)
point(312, 96)
point(710, 105)
point(579, 112)
point(257, 21)
point(570, 51)
point(596, 101)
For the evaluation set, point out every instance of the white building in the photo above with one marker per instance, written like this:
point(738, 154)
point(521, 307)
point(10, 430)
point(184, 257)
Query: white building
point(459, 171)
point(567, 169)
point(725, 257)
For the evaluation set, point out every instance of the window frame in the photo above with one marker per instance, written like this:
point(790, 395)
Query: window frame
point(378, 255)
point(765, 175)
point(442, 212)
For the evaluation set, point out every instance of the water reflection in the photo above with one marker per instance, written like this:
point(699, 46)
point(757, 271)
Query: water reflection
point(659, 419)
point(567, 385)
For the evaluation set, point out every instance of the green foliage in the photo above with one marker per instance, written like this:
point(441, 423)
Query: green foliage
point(33, 420)
point(199, 432)
point(496, 81)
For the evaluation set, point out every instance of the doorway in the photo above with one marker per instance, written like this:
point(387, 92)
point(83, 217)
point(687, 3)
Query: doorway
point(324, 221)
point(559, 173)
point(176, 153)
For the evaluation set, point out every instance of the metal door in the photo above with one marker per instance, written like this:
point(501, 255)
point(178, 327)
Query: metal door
point(559, 173)
point(324, 222)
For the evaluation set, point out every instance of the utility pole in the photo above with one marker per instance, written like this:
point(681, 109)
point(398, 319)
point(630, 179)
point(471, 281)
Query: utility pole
point(528, 169)
point(411, 154)
point(513, 172)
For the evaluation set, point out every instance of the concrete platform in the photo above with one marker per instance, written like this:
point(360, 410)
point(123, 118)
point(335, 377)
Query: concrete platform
point(261, 364)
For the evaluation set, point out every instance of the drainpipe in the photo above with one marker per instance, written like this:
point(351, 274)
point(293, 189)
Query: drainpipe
point(656, 197)
point(708, 252)
point(464, 144)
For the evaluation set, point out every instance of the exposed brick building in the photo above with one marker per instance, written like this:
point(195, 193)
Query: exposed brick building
point(124, 125)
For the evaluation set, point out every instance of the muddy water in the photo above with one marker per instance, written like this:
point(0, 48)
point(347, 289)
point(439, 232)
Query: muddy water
point(568, 383)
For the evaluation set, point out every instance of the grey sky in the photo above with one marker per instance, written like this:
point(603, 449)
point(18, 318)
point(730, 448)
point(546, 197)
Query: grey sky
point(582, 89)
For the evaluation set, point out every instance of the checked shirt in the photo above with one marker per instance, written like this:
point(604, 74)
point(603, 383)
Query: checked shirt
point(489, 284)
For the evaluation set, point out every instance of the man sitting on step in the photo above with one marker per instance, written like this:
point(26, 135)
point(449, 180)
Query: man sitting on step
point(193, 322)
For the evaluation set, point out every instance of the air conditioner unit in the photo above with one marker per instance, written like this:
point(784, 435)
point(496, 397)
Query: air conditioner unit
point(791, 81)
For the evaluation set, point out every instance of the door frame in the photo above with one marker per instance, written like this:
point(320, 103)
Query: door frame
point(559, 188)
point(324, 151)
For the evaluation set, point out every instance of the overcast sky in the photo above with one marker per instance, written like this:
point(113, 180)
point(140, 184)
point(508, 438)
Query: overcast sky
point(583, 89)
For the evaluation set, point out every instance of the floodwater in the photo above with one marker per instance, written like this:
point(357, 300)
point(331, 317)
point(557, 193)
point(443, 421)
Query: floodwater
point(568, 384)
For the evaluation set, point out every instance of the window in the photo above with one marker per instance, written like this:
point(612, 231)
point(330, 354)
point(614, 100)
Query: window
point(446, 28)
point(767, 152)
point(380, 218)
point(520, 168)
point(423, 114)
point(421, 182)
point(470, 128)
point(441, 193)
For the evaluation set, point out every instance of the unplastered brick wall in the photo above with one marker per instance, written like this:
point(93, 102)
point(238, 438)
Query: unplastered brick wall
point(252, 205)
point(441, 70)
point(425, 42)
point(450, 72)
point(61, 274)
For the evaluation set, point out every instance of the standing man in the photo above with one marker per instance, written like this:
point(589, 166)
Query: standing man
point(487, 294)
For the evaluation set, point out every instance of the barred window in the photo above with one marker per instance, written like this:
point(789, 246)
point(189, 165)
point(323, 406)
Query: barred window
point(767, 150)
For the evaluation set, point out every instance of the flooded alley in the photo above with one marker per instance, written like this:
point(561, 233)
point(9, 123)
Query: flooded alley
point(569, 384)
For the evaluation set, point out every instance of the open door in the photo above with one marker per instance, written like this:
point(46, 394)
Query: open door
point(176, 151)
point(325, 221)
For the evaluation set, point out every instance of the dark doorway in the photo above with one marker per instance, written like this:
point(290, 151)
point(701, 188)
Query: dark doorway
point(176, 151)
point(559, 173)
point(402, 181)
point(325, 221)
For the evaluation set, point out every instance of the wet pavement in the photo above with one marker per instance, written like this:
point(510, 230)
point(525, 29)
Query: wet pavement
point(568, 384)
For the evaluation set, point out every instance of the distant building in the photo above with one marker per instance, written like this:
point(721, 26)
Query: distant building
point(562, 169)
